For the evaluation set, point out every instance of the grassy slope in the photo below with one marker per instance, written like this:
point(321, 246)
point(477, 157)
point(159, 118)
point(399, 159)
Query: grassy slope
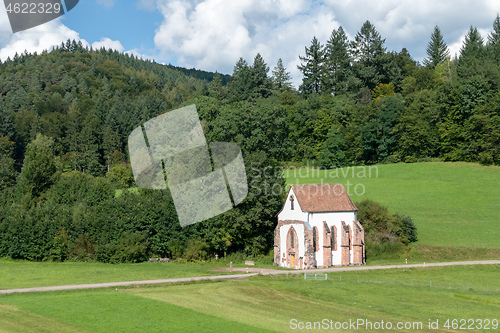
point(452, 204)
point(13, 319)
point(111, 311)
point(263, 303)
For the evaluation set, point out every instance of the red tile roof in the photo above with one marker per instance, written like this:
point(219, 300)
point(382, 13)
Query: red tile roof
point(323, 198)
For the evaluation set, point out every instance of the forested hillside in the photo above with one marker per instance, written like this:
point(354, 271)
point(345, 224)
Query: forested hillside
point(65, 116)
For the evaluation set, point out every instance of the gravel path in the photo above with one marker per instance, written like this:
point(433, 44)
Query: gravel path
point(251, 272)
point(359, 268)
point(125, 283)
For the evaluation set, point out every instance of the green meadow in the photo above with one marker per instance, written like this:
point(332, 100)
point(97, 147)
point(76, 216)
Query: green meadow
point(24, 274)
point(265, 304)
point(452, 204)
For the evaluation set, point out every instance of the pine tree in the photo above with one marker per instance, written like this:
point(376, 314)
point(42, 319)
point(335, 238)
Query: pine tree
point(494, 40)
point(239, 85)
point(473, 45)
point(368, 51)
point(281, 77)
point(494, 37)
point(368, 44)
point(215, 88)
point(312, 67)
point(437, 50)
point(337, 62)
point(260, 84)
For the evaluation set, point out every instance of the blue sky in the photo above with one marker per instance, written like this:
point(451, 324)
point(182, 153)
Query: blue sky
point(124, 21)
point(213, 34)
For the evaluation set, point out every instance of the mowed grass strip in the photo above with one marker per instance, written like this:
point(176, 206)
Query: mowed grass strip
point(14, 320)
point(452, 204)
point(258, 303)
point(264, 304)
point(113, 311)
point(381, 295)
point(24, 274)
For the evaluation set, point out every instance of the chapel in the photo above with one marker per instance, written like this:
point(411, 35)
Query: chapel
point(318, 227)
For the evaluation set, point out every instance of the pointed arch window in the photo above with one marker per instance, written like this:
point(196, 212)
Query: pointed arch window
point(315, 239)
point(333, 236)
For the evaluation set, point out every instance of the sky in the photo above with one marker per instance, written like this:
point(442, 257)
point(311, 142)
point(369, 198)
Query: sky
point(212, 35)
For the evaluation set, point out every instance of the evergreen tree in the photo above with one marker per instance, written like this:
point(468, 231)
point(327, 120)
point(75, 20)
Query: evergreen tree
point(312, 67)
point(494, 40)
point(337, 62)
point(6, 124)
point(260, 84)
point(368, 51)
point(437, 50)
point(368, 45)
point(494, 36)
point(405, 62)
point(281, 77)
point(473, 45)
point(215, 88)
point(239, 85)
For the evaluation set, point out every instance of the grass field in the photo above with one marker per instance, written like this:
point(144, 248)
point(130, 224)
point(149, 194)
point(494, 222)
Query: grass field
point(23, 274)
point(452, 204)
point(262, 304)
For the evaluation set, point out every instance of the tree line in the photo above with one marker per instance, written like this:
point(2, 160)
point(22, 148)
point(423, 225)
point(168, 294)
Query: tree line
point(65, 116)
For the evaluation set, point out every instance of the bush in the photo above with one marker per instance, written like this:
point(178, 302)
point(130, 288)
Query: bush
point(131, 248)
point(83, 248)
point(408, 229)
point(386, 233)
point(197, 249)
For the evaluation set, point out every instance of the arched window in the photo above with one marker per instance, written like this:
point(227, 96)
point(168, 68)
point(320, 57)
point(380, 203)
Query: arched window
point(315, 239)
point(291, 202)
point(348, 231)
point(333, 238)
point(292, 235)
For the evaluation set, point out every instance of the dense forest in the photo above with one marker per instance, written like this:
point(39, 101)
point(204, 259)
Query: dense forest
point(65, 116)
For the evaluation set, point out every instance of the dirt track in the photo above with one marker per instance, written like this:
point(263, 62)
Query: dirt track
point(359, 268)
point(251, 272)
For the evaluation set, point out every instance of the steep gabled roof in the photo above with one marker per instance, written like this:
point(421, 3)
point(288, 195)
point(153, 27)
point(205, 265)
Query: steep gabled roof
point(323, 198)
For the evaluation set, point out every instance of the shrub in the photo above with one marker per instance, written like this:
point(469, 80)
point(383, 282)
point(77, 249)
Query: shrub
point(385, 232)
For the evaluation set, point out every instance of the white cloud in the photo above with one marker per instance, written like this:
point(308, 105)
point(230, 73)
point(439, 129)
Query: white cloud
point(410, 23)
point(138, 54)
point(108, 44)
point(214, 34)
point(37, 39)
point(44, 37)
point(106, 3)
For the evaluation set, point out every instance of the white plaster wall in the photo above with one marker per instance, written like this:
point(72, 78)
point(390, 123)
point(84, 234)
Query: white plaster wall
point(332, 219)
point(296, 213)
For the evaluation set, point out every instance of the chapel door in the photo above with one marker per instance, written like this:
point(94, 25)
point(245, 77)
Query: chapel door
point(292, 260)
